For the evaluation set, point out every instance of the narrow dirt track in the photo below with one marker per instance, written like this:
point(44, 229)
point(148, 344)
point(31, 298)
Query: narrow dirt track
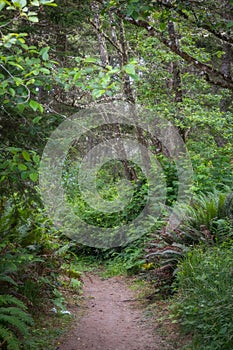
point(112, 320)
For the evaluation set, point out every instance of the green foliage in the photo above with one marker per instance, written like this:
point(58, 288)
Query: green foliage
point(203, 304)
point(205, 221)
point(29, 265)
point(208, 218)
point(18, 168)
point(110, 186)
point(128, 261)
point(14, 322)
point(24, 222)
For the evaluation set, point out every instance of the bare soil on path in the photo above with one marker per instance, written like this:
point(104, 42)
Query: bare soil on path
point(111, 318)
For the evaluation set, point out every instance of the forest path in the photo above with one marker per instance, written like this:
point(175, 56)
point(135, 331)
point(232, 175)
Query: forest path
point(112, 319)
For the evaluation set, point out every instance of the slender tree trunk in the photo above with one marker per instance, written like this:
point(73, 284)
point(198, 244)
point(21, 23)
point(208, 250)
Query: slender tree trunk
point(128, 91)
point(227, 57)
point(101, 40)
point(176, 84)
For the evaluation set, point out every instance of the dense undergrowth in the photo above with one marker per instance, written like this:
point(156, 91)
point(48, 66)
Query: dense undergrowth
point(35, 266)
point(203, 304)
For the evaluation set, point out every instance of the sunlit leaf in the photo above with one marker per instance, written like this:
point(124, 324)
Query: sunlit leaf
point(33, 176)
point(22, 167)
point(26, 155)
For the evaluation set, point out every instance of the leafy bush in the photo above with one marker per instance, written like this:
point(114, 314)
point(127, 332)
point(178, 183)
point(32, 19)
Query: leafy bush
point(205, 221)
point(204, 300)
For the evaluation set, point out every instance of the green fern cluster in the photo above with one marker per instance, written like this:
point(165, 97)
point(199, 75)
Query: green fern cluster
point(25, 271)
point(14, 322)
point(14, 318)
point(208, 221)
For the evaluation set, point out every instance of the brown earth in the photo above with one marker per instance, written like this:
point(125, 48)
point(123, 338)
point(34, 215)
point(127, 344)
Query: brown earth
point(112, 318)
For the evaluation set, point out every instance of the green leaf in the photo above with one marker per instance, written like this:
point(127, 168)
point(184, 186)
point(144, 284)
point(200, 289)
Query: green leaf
point(163, 25)
point(24, 175)
point(2, 5)
point(48, 2)
point(18, 81)
point(33, 19)
point(34, 105)
point(45, 70)
point(31, 81)
point(129, 69)
point(44, 53)
point(36, 120)
point(22, 167)
point(16, 3)
point(77, 75)
point(23, 3)
point(90, 60)
point(13, 150)
point(12, 63)
point(33, 176)
point(21, 107)
point(35, 3)
point(230, 24)
point(75, 283)
point(36, 158)
point(97, 93)
point(12, 92)
point(26, 156)
point(32, 13)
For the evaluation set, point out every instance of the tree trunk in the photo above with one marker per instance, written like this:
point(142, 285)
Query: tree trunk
point(226, 59)
point(101, 40)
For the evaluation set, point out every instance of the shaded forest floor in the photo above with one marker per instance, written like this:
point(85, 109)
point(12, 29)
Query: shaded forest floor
point(112, 316)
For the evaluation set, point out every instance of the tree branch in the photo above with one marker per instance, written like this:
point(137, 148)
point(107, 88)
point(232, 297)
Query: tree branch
point(105, 36)
point(209, 28)
point(211, 74)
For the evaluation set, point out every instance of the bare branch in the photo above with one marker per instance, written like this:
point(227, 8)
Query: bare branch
point(211, 74)
point(211, 29)
point(105, 36)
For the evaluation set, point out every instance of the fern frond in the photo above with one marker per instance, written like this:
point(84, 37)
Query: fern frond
point(15, 322)
point(14, 311)
point(10, 299)
point(5, 278)
point(7, 336)
point(13, 344)
point(5, 333)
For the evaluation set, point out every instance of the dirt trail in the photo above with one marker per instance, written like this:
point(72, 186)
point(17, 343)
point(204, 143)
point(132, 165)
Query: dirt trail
point(112, 320)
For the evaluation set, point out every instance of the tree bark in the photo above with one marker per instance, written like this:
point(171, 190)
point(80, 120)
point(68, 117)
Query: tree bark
point(100, 37)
